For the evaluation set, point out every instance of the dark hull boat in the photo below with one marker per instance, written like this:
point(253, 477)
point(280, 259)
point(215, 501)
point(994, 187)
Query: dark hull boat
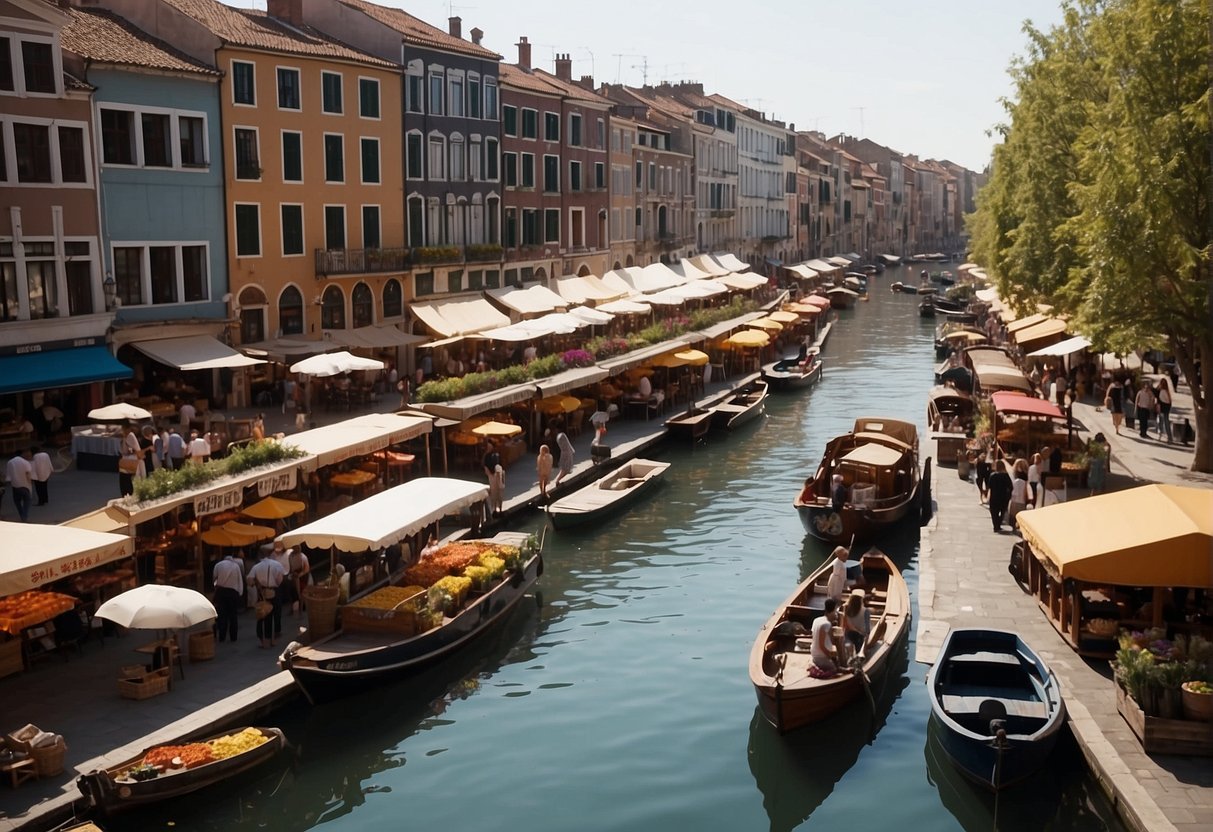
point(788, 374)
point(748, 404)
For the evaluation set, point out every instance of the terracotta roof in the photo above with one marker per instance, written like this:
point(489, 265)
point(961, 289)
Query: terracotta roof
point(513, 76)
point(257, 30)
point(102, 36)
point(418, 32)
point(571, 90)
point(71, 82)
point(664, 103)
point(727, 102)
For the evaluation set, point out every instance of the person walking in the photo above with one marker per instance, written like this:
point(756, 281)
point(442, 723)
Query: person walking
point(229, 586)
point(20, 475)
point(1034, 471)
point(1000, 493)
point(543, 468)
point(176, 449)
point(566, 456)
point(199, 449)
point(1144, 405)
point(1114, 401)
point(267, 577)
point(42, 470)
point(1163, 398)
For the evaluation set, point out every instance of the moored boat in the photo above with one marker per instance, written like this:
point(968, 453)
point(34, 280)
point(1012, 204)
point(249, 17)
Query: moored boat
point(890, 259)
point(842, 297)
point(791, 693)
point(745, 405)
point(694, 423)
point(165, 772)
point(613, 492)
point(996, 703)
point(878, 465)
point(793, 373)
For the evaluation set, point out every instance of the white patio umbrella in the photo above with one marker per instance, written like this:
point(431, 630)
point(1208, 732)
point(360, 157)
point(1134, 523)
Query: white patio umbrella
point(119, 412)
point(156, 607)
point(334, 364)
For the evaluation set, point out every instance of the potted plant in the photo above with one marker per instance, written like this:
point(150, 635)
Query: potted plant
point(1197, 699)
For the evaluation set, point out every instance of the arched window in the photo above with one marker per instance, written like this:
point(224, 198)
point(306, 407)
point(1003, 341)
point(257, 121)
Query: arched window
point(364, 306)
point(252, 305)
point(332, 308)
point(393, 301)
point(290, 311)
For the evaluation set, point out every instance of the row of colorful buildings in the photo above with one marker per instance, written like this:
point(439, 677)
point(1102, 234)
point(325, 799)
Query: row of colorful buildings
point(186, 169)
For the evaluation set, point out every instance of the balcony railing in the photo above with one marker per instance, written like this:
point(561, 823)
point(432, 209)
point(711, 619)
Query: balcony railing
point(339, 261)
point(483, 252)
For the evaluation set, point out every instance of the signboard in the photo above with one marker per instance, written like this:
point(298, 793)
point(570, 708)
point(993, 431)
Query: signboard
point(215, 502)
point(280, 481)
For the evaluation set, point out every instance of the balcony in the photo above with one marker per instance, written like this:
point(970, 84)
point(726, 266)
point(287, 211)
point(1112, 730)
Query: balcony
point(483, 253)
point(668, 240)
point(437, 255)
point(341, 261)
point(723, 213)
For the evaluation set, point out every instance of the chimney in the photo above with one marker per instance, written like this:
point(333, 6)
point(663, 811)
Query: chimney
point(564, 67)
point(455, 26)
point(288, 11)
point(586, 82)
point(524, 53)
point(477, 34)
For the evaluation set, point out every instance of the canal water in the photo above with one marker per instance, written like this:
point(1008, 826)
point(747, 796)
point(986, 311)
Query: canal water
point(620, 699)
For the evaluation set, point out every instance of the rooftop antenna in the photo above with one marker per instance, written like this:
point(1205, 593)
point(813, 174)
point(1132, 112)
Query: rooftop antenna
point(451, 8)
point(643, 66)
point(861, 109)
point(665, 70)
point(587, 49)
point(619, 66)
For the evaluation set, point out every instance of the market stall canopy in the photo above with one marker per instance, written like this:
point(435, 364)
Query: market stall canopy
point(1070, 345)
point(801, 270)
point(809, 309)
point(334, 364)
point(730, 262)
point(840, 262)
point(723, 328)
point(625, 307)
point(157, 607)
point(118, 412)
point(619, 363)
point(708, 266)
point(282, 349)
point(581, 290)
point(1051, 328)
point(36, 554)
point(194, 352)
point(749, 338)
point(106, 519)
point(821, 266)
point(613, 283)
point(689, 270)
point(234, 535)
point(1154, 535)
point(59, 368)
point(693, 358)
point(742, 282)
point(357, 437)
point(1016, 324)
point(459, 317)
point(389, 516)
point(784, 316)
point(591, 315)
point(372, 337)
point(646, 279)
point(532, 300)
point(469, 406)
point(569, 380)
point(502, 429)
point(1013, 404)
point(768, 324)
point(274, 508)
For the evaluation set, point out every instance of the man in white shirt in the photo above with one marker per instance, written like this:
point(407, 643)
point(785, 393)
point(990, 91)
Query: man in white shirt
point(20, 475)
point(42, 472)
point(187, 414)
point(229, 584)
point(267, 577)
point(822, 651)
point(199, 450)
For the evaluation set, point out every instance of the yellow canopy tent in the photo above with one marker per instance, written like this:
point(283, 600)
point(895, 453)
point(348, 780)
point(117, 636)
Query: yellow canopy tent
point(693, 358)
point(274, 508)
point(748, 338)
point(768, 324)
point(503, 429)
point(1155, 535)
point(233, 534)
point(784, 316)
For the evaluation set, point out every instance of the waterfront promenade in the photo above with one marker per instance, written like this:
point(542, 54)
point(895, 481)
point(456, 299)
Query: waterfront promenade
point(964, 583)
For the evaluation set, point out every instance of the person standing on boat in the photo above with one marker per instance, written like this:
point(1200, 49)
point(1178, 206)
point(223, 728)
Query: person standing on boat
point(856, 622)
point(838, 574)
point(838, 493)
point(822, 651)
point(1000, 493)
point(566, 456)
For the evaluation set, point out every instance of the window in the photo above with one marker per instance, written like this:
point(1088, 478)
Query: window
point(117, 137)
point(334, 157)
point(436, 94)
point(551, 225)
point(193, 273)
point(243, 84)
point(599, 175)
point(601, 134)
point(290, 311)
point(509, 120)
point(370, 227)
point(79, 273)
point(491, 146)
point(575, 130)
point(192, 141)
point(128, 276)
point(368, 97)
point(528, 170)
point(415, 95)
point(652, 176)
point(247, 164)
point(332, 308)
point(551, 127)
point(292, 230)
point(288, 89)
point(530, 123)
point(551, 174)
point(160, 274)
point(370, 161)
point(330, 93)
point(32, 143)
point(530, 227)
point(393, 299)
point(490, 99)
point(292, 156)
point(458, 161)
point(416, 210)
point(574, 176)
point(455, 102)
point(454, 280)
point(71, 154)
point(474, 98)
point(492, 278)
point(423, 284)
point(40, 283)
point(639, 175)
point(364, 305)
point(476, 279)
point(475, 168)
point(334, 227)
point(6, 70)
point(38, 61)
point(511, 227)
point(639, 217)
point(576, 228)
point(437, 151)
point(413, 155)
point(510, 163)
point(248, 230)
point(162, 262)
point(157, 140)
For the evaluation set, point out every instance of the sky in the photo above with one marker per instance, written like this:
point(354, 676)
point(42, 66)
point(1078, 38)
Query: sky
point(923, 77)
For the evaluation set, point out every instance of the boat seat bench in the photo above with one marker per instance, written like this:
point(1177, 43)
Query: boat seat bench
point(966, 705)
point(984, 657)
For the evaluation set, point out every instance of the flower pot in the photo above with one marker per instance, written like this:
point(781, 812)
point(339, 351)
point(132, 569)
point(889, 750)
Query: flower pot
point(1196, 706)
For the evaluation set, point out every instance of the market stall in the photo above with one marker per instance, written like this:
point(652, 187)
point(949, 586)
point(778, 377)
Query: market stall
point(1022, 424)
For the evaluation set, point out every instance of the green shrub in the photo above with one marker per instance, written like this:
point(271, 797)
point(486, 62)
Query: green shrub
point(164, 483)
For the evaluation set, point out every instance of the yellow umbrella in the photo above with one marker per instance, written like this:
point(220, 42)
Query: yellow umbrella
point(637, 372)
point(274, 508)
point(749, 338)
point(767, 324)
point(498, 429)
point(233, 534)
point(784, 316)
point(558, 404)
point(695, 358)
point(670, 360)
point(803, 308)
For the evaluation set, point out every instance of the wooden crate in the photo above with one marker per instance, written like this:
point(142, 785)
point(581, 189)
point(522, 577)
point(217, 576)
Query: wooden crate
point(1165, 736)
point(401, 622)
point(151, 684)
point(11, 660)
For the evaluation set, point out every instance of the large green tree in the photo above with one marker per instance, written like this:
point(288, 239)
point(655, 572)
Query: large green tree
point(1099, 197)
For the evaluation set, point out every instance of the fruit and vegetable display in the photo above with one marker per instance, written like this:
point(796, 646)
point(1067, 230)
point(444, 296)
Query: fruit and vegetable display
point(25, 609)
point(169, 758)
point(389, 598)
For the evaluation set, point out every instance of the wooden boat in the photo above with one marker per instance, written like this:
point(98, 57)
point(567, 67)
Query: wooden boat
point(947, 403)
point(789, 695)
point(792, 373)
point(904, 288)
point(841, 297)
point(347, 662)
point(122, 787)
point(878, 461)
point(891, 259)
point(745, 405)
point(618, 489)
point(692, 423)
point(926, 309)
point(997, 705)
point(951, 335)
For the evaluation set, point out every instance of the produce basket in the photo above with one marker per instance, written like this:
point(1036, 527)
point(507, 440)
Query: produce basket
point(321, 600)
point(202, 646)
point(152, 683)
point(48, 759)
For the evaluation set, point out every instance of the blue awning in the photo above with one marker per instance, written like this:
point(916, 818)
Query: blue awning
point(774, 261)
point(59, 368)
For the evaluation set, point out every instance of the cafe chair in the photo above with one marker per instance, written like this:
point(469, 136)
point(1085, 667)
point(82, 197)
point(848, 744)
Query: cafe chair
point(167, 655)
point(655, 404)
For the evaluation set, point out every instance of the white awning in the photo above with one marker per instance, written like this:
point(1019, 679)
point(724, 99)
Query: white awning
point(821, 266)
point(748, 280)
point(36, 554)
point(581, 290)
point(569, 380)
point(358, 436)
point(706, 264)
point(689, 270)
point(591, 315)
point(1065, 347)
point(469, 406)
point(730, 262)
point(533, 300)
point(625, 307)
point(804, 271)
point(987, 295)
point(282, 349)
point(459, 317)
point(666, 297)
point(372, 337)
point(642, 280)
point(612, 282)
point(194, 352)
point(555, 323)
point(841, 262)
point(388, 517)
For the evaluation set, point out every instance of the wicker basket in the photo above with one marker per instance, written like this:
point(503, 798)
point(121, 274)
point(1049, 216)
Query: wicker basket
point(321, 600)
point(152, 683)
point(48, 760)
point(202, 646)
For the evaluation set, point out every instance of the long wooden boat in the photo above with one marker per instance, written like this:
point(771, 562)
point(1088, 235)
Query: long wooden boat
point(791, 696)
point(878, 463)
point(744, 406)
point(945, 404)
point(618, 489)
point(131, 783)
point(997, 704)
point(347, 662)
point(790, 374)
point(692, 423)
point(841, 297)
